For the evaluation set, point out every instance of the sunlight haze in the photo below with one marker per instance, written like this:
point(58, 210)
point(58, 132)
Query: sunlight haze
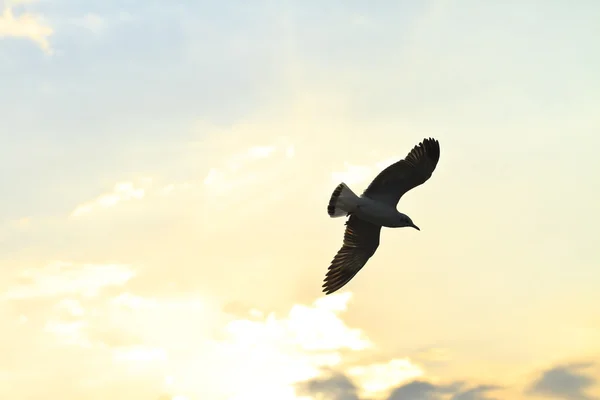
point(166, 169)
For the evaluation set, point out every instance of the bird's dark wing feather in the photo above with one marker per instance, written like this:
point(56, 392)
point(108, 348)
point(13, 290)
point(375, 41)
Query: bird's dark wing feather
point(391, 183)
point(361, 239)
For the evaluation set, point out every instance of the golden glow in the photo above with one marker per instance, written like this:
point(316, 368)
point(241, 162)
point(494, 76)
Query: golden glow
point(164, 233)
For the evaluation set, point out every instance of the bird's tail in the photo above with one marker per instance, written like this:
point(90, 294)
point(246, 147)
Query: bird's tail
point(343, 201)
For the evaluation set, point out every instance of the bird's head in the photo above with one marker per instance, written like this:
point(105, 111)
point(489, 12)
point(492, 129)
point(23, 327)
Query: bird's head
point(408, 222)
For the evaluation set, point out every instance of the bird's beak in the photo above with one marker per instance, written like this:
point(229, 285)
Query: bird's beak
point(416, 227)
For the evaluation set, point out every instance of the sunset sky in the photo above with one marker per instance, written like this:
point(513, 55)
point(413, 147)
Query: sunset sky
point(166, 168)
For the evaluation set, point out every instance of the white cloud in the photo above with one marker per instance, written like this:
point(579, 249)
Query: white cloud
point(256, 167)
point(68, 333)
point(63, 278)
point(376, 379)
point(273, 353)
point(122, 191)
point(28, 26)
point(200, 352)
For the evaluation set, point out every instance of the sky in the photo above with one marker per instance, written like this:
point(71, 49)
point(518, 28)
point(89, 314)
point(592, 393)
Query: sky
point(166, 168)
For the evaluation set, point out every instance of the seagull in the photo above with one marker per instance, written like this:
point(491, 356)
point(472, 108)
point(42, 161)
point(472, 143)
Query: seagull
point(374, 209)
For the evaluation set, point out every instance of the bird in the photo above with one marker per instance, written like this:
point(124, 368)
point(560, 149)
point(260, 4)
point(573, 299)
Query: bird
point(375, 208)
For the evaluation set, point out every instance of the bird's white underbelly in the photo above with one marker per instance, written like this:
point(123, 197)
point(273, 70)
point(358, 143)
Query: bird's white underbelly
point(377, 213)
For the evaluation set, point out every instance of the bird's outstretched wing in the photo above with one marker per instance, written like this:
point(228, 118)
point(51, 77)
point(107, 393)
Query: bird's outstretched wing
point(361, 239)
point(391, 183)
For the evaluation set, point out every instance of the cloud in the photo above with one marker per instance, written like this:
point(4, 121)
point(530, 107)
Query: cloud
point(122, 191)
point(476, 393)
point(334, 387)
point(68, 333)
point(421, 390)
point(240, 357)
point(313, 328)
point(568, 382)
point(338, 386)
point(65, 278)
point(377, 378)
point(25, 25)
point(243, 169)
point(277, 352)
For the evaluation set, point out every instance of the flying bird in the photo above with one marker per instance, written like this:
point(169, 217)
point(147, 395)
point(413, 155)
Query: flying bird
point(374, 209)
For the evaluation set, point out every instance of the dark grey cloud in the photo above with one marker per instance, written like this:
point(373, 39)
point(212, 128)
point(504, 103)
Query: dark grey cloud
point(476, 393)
point(419, 390)
point(338, 386)
point(423, 390)
point(566, 382)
